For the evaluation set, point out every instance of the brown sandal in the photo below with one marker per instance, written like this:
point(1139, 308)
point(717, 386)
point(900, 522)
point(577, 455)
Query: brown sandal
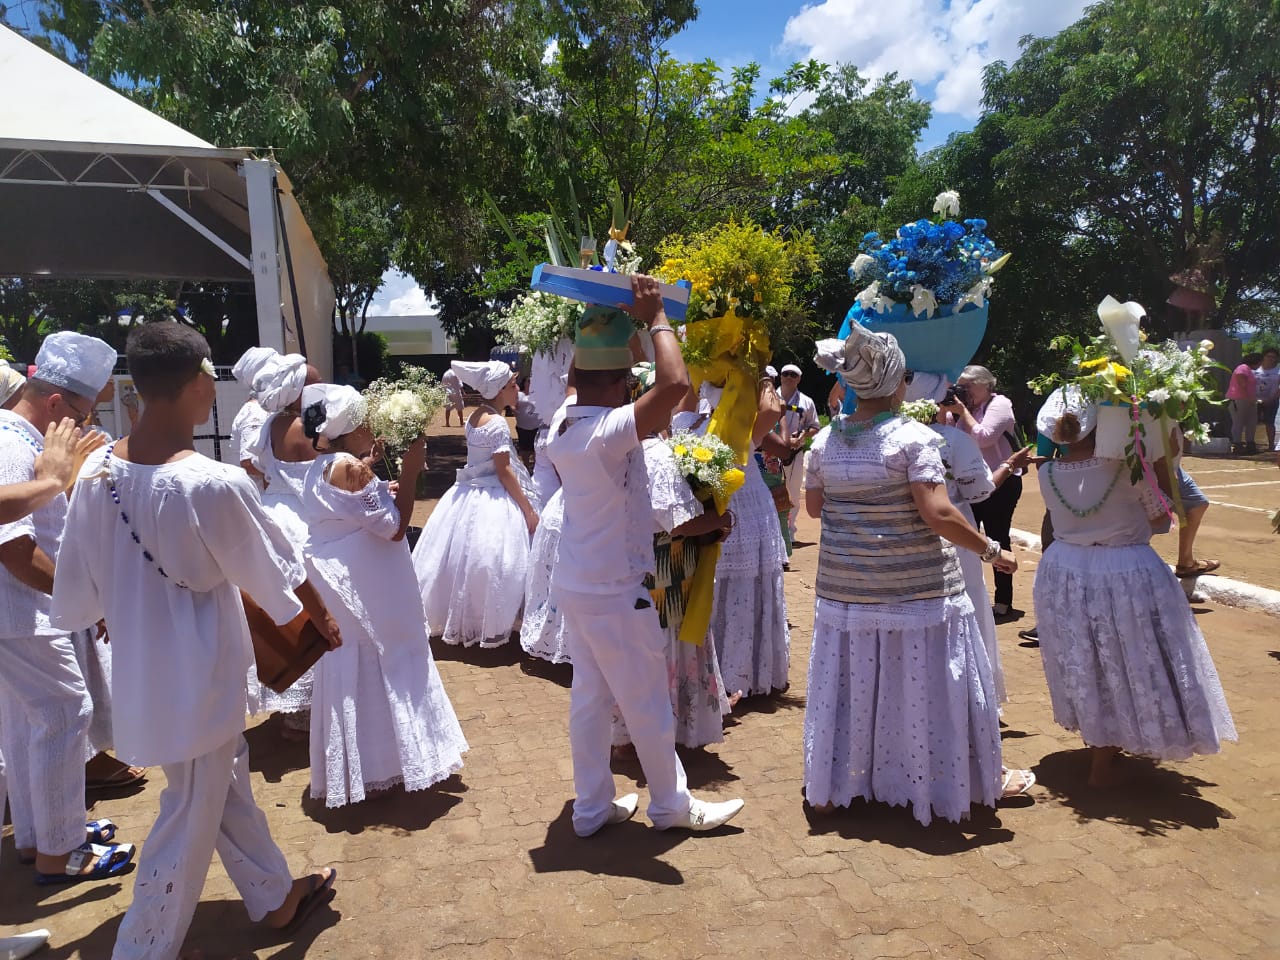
point(1198, 569)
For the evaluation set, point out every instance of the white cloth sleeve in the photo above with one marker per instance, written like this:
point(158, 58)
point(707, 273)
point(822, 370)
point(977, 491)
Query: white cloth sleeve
point(918, 455)
point(968, 468)
point(16, 466)
point(372, 507)
point(251, 550)
point(76, 603)
point(813, 462)
point(671, 498)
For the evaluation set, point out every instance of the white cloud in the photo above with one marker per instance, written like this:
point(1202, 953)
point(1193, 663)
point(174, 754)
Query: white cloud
point(942, 46)
point(551, 51)
point(400, 296)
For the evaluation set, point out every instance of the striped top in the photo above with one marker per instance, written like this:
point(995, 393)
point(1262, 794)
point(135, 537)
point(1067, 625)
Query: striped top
point(876, 548)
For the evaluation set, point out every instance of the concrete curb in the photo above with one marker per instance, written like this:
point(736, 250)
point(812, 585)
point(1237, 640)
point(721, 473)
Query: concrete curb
point(1233, 593)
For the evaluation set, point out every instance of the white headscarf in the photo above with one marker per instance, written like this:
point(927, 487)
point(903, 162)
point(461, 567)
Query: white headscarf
point(279, 381)
point(342, 407)
point(1066, 399)
point(249, 365)
point(11, 382)
point(487, 378)
point(870, 364)
point(76, 363)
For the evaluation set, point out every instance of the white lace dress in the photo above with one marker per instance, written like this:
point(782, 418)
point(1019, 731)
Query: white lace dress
point(379, 712)
point(969, 481)
point(473, 554)
point(542, 631)
point(1126, 663)
point(698, 699)
point(282, 501)
point(901, 704)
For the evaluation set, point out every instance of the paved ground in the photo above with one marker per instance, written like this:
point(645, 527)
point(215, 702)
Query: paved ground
point(1182, 862)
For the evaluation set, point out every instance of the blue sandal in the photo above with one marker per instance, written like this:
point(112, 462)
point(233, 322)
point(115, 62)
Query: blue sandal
point(108, 861)
point(95, 831)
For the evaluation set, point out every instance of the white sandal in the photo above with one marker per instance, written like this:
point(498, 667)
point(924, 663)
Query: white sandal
point(1025, 778)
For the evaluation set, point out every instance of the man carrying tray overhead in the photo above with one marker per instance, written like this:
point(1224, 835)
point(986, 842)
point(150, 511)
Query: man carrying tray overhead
point(158, 539)
point(611, 627)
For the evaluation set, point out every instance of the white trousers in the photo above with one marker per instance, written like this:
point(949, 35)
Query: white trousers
point(207, 805)
point(94, 658)
point(46, 713)
point(795, 481)
point(620, 655)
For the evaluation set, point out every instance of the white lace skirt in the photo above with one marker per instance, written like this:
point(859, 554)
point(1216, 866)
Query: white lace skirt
point(471, 562)
point(1126, 664)
point(283, 509)
point(749, 619)
point(901, 708)
point(542, 630)
point(698, 699)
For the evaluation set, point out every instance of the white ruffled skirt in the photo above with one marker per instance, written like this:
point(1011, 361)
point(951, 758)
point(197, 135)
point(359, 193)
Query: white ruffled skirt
point(901, 708)
point(542, 631)
point(1126, 663)
point(749, 619)
point(975, 585)
point(471, 562)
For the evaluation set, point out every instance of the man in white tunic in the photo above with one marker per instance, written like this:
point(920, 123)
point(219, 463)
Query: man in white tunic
point(611, 628)
point(801, 417)
point(158, 539)
point(46, 707)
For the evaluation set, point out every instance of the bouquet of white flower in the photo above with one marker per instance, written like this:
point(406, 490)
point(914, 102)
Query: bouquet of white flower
point(707, 462)
point(923, 411)
point(401, 410)
point(538, 321)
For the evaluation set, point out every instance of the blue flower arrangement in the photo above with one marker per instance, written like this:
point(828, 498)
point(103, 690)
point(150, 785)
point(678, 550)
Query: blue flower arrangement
point(927, 264)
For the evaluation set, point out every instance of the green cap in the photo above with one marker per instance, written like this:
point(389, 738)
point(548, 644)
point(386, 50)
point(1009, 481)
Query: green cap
point(604, 339)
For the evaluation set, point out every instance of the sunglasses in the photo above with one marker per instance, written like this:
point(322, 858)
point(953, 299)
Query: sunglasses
point(81, 416)
point(908, 377)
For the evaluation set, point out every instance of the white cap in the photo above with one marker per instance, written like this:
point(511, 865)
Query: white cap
point(78, 364)
point(771, 372)
point(791, 368)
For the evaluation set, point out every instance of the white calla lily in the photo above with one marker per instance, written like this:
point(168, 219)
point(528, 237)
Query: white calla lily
point(923, 301)
point(1121, 321)
point(977, 294)
point(860, 264)
point(947, 203)
point(868, 297)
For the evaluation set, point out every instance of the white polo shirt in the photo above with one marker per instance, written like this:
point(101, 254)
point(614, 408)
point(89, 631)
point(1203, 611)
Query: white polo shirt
point(591, 456)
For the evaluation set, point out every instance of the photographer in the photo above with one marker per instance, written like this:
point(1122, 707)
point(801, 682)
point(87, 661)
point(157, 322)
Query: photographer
point(801, 419)
point(987, 416)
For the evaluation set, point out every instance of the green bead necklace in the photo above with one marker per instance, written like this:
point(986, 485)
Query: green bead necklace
point(851, 429)
point(1091, 510)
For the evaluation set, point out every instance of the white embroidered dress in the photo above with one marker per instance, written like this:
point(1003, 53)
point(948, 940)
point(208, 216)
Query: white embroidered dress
point(379, 712)
point(542, 630)
point(473, 554)
point(901, 704)
point(1126, 664)
point(749, 619)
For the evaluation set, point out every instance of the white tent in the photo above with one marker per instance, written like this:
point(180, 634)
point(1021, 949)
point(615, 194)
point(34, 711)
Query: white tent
point(94, 185)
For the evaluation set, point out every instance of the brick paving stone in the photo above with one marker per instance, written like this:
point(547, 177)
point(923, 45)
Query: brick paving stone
point(1182, 860)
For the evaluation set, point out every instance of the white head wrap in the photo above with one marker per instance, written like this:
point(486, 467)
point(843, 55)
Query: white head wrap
point(1066, 399)
point(11, 382)
point(870, 364)
point(279, 381)
point(249, 365)
point(927, 386)
point(76, 363)
point(709, 397)
point(771, 372)
point(343, 408)
point(487, 378)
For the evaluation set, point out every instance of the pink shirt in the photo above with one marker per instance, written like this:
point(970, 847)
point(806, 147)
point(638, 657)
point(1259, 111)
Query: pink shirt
point(993, 420)
point(1244, 385)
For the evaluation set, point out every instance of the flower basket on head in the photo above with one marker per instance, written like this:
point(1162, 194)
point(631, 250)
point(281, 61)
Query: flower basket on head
point(928, 285)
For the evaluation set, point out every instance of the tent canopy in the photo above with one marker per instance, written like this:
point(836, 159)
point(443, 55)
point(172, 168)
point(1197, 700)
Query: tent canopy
point(94, 185)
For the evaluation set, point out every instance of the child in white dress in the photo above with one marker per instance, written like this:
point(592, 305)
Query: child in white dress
point(474, 550)
point(379, 712)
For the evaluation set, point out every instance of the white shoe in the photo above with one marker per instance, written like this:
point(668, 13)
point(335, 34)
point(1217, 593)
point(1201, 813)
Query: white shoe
point(703, 816)
point(623, 809)
point(23, 945)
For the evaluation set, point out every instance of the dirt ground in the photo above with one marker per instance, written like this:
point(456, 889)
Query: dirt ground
point(1182, 861)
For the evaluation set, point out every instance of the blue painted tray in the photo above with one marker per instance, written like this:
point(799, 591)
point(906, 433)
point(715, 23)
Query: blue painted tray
point(607, 289)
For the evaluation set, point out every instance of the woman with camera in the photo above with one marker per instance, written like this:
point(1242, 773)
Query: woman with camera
point(987, 416)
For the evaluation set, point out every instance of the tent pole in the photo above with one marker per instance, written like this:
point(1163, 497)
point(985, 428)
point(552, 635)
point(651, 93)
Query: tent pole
point(293, 283)
point(260, 184)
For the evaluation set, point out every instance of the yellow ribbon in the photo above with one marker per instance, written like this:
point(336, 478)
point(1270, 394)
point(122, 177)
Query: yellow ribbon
point(730, 350)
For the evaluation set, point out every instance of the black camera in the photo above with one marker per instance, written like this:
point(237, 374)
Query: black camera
point(956, 392)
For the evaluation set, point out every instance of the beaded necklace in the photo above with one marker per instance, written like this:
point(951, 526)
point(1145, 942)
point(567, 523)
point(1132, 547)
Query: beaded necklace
point(37, 447)
point(115, 497)
point(1090, 510)
point(852, 429)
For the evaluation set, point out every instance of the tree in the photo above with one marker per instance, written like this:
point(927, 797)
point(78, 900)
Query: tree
point(362, 232)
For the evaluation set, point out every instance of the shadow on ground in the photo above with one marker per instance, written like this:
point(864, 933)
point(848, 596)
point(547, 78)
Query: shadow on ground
point(1152, 798)
point(632, 849)
point(702, 768)
point(896, 827)
point(393, 811)
point(561, 674)
point(507, 655)
point(274, 755)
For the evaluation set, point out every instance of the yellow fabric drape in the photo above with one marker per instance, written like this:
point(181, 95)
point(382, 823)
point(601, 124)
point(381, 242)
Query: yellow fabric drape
point(731, 351)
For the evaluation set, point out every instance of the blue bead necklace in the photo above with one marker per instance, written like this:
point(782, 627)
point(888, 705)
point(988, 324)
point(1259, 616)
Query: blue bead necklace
point(37, 447)
point(115, 497)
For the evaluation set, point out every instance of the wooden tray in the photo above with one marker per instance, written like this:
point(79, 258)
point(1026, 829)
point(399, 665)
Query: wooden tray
point(283, 653)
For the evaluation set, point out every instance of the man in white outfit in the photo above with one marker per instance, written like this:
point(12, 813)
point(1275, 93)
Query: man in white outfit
point(158, 540)
point(45, 705)
point(801, 417)
point(611, 627)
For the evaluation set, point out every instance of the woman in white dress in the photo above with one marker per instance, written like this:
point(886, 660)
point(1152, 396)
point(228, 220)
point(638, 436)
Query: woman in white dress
point(901, 702)
point(252, 415)
point(282, 453)
point(379, 712)
point(698, 699)
point(473, 554)
point(1127, 666)
point(749, 619)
